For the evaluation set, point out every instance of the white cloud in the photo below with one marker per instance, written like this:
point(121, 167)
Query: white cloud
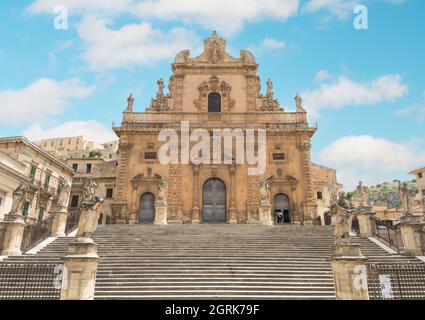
point(345, 92)
point(91, 129)
point(417, 109)
point(338, 8)
point(273, 43)
point(322, 76)
point(132, 44)
point(370, 159)
point(79, 6)
point(225, 16)
point(41, 99)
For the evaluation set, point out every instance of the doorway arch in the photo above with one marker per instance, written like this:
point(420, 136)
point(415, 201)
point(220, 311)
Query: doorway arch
point(147, 208)
point(214, 201)
point(282, 204)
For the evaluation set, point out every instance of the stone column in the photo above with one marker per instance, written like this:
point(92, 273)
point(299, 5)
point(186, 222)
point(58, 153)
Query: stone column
point(232, 209)
point(161, 210)
point(349, 271)
point(79, 276)
point(195, 208)
point(412, 234)
point(366, 222)
point(15, 225)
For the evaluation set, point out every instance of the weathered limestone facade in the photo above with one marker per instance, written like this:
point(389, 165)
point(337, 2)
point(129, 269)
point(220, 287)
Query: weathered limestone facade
point(214, 91)
point(21, 161)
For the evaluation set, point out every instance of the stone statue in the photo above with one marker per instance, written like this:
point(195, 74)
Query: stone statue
point(130, 102)
point(214, 55)
point(264, 190)
point(90, 210)
point(404, 197)
point(163, 187)
point(343, 212)
point(64, 192)
point(269, 88)
point(160, 93)
point(19, 198)
point(362, 196)
point(299, 103)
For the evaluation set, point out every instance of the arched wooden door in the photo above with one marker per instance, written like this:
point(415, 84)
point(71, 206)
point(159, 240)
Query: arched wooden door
point(147, 208)
point(214, 201)
point(281, 203)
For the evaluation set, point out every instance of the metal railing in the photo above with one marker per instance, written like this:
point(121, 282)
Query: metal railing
point(35, 233)
point(72, 222)
point(23, 281)
point(2, 234)
point(396, 281)
point(390, 235)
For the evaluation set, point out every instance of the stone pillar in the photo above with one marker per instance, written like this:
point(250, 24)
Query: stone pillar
point(349, 271)
point(161, 210)
point(232, 209)
point(195, 209)
point(59, 223)
point(412, 234)
point(265, 213)
point(366, 222)
point(15, 225)
point(79, 277)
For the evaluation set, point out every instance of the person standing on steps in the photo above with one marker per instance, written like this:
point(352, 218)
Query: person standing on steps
point(279, 217)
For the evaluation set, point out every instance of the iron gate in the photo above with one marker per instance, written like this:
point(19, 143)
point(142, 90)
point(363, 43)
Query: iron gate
point(23, 281)
point(396, 281)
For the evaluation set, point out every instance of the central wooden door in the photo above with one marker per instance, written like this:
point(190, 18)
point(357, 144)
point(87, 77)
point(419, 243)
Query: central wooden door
point(147, 208)
point(214, 201)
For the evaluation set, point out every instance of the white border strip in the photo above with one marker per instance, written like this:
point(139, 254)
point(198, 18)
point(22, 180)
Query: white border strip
point(383, 246)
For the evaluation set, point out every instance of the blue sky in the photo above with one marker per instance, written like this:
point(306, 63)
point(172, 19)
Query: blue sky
point(364, 88)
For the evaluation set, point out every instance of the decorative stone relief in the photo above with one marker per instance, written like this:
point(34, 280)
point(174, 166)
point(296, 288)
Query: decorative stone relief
point(214, 85)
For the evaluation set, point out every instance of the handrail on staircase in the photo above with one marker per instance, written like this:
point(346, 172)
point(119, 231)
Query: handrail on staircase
point(388, 234)
point(35, 233)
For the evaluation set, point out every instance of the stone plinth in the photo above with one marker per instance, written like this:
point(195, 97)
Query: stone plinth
point(366, 222)
point(232, 216)
point(412, 234)
point(59, 223)
point(15, 225)
point(161, 210)
point(349, 271)
point(265, 213)
point(79, 275)
point(195, 215)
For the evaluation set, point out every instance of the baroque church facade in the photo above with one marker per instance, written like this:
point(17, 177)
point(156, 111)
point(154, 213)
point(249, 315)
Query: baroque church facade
point(216, 91)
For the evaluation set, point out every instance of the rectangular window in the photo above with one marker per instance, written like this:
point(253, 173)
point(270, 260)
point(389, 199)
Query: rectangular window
point(423, 193)
point(420, 175)
point(319, 195)
point(88, 168)
point(75, 167)
point(74, 201)
point(47, 180)
point(33, 171)
point(150, 155)
point(109, 193)
point(278, 156)
point(1, 200)
point(26, 208)
point(41, 214)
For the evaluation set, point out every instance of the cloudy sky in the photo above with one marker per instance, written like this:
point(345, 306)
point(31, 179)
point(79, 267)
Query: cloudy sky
point(364, 88)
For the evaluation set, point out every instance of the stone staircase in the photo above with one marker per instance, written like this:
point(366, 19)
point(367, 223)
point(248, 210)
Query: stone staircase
point(211, 261)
